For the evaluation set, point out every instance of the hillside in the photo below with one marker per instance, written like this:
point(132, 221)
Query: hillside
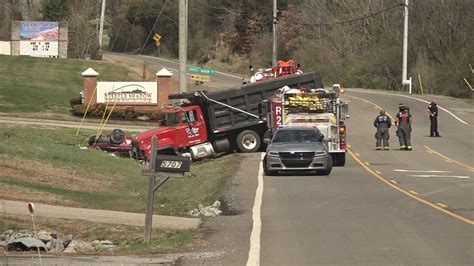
point(43, 85)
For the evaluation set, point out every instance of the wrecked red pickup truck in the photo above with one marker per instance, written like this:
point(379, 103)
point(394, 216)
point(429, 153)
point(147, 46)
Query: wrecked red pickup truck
point(211, 123)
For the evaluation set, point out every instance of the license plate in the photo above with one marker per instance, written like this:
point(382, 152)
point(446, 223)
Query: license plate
point(171, 164)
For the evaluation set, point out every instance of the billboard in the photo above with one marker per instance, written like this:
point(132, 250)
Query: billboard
point(39, 30)
point(39, 38)
point(129, 93)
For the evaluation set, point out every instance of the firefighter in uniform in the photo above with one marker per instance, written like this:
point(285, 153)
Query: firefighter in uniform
point(403, 122)
point(382, 123)
point(433, 112)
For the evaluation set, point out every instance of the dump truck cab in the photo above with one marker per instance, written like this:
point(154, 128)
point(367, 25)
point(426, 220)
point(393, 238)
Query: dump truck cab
point(182, 127)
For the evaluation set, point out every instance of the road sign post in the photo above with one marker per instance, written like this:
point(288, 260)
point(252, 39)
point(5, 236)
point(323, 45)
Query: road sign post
point(160, 164)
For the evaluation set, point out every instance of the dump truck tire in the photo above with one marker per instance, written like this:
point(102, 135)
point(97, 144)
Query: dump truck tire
point(248, 141)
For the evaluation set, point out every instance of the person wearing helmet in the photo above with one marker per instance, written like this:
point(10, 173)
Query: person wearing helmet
point(404, 121)
point(382, 123)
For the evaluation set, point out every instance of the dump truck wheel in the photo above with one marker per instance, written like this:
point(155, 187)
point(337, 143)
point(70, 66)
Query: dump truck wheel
point(248, 141)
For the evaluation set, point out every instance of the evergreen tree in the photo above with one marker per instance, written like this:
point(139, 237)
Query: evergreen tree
point(54, 10)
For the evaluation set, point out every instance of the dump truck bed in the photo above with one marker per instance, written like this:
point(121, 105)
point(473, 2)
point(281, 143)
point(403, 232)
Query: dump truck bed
point(239, 107)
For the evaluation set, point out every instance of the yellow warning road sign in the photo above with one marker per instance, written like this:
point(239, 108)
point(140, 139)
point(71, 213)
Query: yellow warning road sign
point(200, 78)
point(157, 37)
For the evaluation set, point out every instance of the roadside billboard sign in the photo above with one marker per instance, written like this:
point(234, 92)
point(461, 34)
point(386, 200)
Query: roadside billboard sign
point(39, 38)
point(39, 30)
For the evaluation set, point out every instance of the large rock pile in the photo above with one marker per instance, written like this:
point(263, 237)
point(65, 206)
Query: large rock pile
point(24, 240)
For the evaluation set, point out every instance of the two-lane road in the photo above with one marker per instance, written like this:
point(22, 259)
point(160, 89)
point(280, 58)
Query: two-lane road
point(218, 81)
point(383, 207)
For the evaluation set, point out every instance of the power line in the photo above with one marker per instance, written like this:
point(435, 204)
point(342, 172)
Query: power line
point(350, 20)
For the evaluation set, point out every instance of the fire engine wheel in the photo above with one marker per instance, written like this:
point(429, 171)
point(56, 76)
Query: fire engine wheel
point(339, 159)
point(248, 141)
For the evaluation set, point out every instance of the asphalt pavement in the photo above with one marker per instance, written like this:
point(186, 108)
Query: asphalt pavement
point(218, 81)
point(383, 207)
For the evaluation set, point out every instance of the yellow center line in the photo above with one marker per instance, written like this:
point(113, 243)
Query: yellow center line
point(441, 204)
point(376, 106)
point(413, 192)
point(450, 160)
point(433, 205)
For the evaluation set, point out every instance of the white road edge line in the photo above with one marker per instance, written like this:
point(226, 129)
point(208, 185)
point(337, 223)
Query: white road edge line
point(457, 176)
point(421, 100)
point(421, 171)
point(254, 251)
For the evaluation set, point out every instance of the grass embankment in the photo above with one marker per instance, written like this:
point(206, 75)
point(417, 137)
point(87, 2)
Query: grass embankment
point(43, 86)
point(47, 165)
point(51, 165)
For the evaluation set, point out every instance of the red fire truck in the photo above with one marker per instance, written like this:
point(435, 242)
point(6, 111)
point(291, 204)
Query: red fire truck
point(319, 108)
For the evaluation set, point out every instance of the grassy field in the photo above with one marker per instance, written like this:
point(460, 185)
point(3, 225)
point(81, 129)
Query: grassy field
point(52, 165)
point(45, 85)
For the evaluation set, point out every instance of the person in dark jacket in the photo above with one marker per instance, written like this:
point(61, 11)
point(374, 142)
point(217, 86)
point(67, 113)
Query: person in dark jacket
point(404, 122)
point(382, 122)
point(433, 112)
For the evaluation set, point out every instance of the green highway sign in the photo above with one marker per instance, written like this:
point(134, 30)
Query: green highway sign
point(201, 70)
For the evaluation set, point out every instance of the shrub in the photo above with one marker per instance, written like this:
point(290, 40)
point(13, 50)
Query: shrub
point(75, 101)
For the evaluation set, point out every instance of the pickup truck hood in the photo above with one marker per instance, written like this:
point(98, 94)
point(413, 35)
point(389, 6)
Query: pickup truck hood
point(296, 147)
point(147, 135)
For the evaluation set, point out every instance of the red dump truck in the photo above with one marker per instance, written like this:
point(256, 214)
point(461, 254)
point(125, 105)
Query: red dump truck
point(211, 123)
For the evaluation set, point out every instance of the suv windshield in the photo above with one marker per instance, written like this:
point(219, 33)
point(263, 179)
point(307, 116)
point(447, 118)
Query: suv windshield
point(297, 135)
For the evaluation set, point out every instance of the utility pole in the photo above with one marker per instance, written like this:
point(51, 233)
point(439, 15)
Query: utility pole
point(405, 49)
point(274, 19)
point(182, 45)
point(101, 30)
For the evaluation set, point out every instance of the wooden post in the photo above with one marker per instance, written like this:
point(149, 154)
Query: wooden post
point(151, 192)
point(421, 85)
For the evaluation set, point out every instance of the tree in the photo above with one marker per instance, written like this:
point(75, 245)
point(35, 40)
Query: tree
point(55, 10)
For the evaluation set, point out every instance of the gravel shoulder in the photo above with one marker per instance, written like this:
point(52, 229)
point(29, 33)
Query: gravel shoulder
point(227, 237)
